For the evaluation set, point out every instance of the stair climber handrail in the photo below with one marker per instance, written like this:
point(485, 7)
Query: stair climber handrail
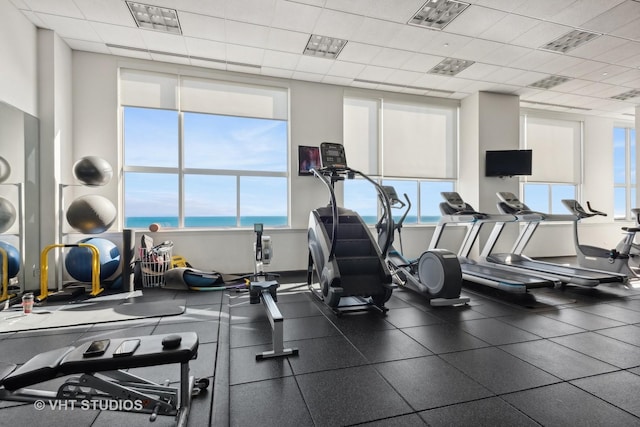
point(334, 211)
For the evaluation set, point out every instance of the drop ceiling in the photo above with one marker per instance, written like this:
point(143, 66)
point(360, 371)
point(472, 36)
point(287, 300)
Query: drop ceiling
point(502, 39)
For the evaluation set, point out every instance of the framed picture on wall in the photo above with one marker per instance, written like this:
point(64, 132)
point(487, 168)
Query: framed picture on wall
point(308, 158)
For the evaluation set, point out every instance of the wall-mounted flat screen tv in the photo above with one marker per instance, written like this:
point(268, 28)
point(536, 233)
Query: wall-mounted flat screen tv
point(508, 162)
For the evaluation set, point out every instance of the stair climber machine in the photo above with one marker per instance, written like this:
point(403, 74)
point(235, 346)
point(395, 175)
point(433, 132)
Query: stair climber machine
point(456, 211)
point(347, 263)
point(624, 259)
point(510, 204)
point(436, 274)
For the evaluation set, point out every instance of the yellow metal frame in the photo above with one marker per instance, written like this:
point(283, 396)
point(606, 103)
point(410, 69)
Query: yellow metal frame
point(95, 268)
point(5, 276)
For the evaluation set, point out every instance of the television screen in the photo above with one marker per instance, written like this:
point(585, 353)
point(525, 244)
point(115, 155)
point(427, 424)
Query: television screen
point(508, 162)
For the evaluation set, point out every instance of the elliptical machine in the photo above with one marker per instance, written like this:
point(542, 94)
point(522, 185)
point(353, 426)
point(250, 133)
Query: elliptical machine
point(623, 259)
point(350, 267)
point(436, 274)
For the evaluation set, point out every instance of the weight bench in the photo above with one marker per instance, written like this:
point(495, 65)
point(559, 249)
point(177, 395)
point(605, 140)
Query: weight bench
point(102, 378)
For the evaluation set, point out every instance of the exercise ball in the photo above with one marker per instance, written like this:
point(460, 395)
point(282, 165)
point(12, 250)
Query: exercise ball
point(91, 214)
point(5, 169)
point(7, 214)
point(93, 171)
point(13, 258)
point(78, 260)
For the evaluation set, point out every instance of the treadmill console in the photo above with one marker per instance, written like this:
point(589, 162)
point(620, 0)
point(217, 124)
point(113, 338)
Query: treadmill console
point(454, 200)
point(512, 200)
point(332, 156)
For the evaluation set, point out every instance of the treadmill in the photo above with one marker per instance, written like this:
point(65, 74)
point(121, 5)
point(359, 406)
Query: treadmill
point(456, 212)
point(510, 204)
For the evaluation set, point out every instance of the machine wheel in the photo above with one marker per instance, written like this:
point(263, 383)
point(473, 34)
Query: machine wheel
point(439, 270)
point(381, 298)
point(332, 299)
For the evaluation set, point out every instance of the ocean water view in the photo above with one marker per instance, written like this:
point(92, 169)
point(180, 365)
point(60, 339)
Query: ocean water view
point(245, 221)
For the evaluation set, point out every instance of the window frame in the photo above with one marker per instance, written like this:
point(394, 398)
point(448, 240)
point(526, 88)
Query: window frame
point(181, 171)
point(629, 186)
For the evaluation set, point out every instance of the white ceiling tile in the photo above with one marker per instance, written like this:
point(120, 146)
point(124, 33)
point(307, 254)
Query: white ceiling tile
point(287, 41)
point(340, 81)
point(618, 54)
point(614, 18)
point(392, 58)
point(276, 72)
point(623, 78)
point(20, 4)
point(106, 11)
point(259, 12)
point(313, 64)
point(61, 7)
point(204, 27)
point(633, 62)
point(33, 17)
point(533, 60)
point(244, 54)
point(295, 16)
point(115, 34)
point(559, 63)
point(542, 9)
point(506, 54)
point(581, 11)
point(164, 42)
point(206, 48)
point(246, 34)
point(605, 73)
point(443, 43)
point(408, 37)
point(607, 91)
point(475, 20)
point(583, 69)
point(629, 31)
point(541, 34)
point(571, 85)
point(376, 31)
point(397, 10)
point(525, 78)
point(345, 69)
point(477, 50)
point(597, 46)
point(593, 88)
point(505, 75)
point(403, 77)
point(358, 52)
point(508, 28)
point(506, 5)
point(209, 7)
point(70, 27)
point(478, 71)
point(421, 62)
point(439, 82)
point(371, 72)
point(276, 59)
point(310, 77)
point(337, 24)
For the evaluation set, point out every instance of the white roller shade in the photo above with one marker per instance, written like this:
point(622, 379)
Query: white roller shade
point(419, 141)
point(216, 97)
point(556, 150)
point(148, 89)
point(361, 134)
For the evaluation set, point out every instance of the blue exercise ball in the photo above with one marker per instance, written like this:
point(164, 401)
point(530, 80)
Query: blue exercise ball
point(78, 259)
point(13, 257)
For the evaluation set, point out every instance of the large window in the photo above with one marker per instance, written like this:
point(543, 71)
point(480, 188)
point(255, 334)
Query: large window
point(203, 153)
point(556, 162)
point(409, 145)
point(624, 171)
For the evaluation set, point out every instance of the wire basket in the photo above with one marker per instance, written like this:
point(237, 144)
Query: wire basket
point(154, 262)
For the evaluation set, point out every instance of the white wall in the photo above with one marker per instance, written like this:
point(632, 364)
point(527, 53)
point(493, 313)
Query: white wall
point(18, 72)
